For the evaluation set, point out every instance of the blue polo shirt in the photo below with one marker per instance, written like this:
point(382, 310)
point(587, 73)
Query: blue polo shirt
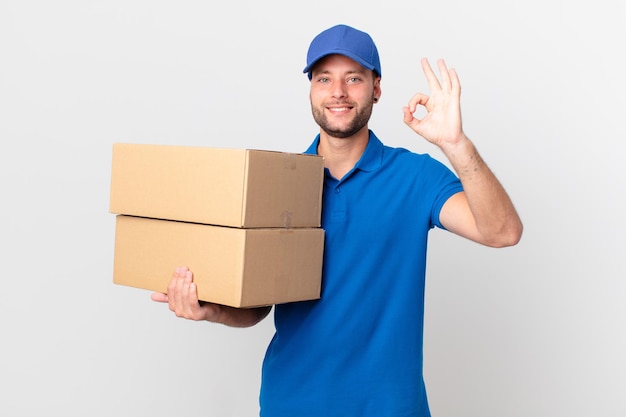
point(357, 351)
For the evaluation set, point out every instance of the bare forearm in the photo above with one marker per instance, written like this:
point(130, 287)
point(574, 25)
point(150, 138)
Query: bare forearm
point(241, 317)
point(493, 211)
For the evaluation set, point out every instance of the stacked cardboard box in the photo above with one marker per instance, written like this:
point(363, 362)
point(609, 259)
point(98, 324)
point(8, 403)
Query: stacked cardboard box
point(246, 222)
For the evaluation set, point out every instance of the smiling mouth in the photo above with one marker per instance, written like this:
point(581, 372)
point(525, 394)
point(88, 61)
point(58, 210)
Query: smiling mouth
point(339, 109)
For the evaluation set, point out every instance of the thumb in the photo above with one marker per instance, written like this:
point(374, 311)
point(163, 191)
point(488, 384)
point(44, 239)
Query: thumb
point(159, 297)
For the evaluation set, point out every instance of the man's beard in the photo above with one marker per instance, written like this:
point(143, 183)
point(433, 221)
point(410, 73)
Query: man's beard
point(358, 122)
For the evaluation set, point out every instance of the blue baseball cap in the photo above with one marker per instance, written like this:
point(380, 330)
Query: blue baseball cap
point(347, 41)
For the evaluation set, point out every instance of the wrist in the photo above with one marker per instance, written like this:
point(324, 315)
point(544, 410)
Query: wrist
point(457, 147)
point(212, 311)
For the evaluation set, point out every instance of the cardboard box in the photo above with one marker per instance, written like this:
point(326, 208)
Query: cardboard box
point(232, 266)
point(226, 187)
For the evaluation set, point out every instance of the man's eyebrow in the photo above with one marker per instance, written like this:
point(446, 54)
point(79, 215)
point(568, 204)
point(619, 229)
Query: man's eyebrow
point(357, 71)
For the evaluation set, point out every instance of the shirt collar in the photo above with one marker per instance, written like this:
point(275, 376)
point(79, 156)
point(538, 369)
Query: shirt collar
point(370, 160)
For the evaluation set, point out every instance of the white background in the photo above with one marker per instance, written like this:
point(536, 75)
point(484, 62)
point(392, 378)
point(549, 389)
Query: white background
point(534, 330)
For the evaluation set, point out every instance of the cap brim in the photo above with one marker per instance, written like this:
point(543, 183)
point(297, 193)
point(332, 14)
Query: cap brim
point(353, 57)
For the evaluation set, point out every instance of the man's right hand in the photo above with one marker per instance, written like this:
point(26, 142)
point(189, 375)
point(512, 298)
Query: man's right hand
point(182, 298)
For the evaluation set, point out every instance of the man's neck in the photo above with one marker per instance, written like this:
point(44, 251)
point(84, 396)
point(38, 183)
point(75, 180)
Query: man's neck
point(341, 154)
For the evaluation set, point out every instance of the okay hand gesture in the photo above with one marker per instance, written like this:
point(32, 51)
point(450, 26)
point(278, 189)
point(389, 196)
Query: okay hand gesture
point(442, 123)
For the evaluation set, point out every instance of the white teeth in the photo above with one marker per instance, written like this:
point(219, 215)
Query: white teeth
point(339, 109)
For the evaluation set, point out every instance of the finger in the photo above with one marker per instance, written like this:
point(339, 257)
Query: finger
point(454, 79)
point(192, 300)
point(175, 288)
point(445, 75)
point(418, 99)
point(410, 119)
point(185, 279)
point(433, 82)
point(187, 294)
point(159, 297)
point(408, 115)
